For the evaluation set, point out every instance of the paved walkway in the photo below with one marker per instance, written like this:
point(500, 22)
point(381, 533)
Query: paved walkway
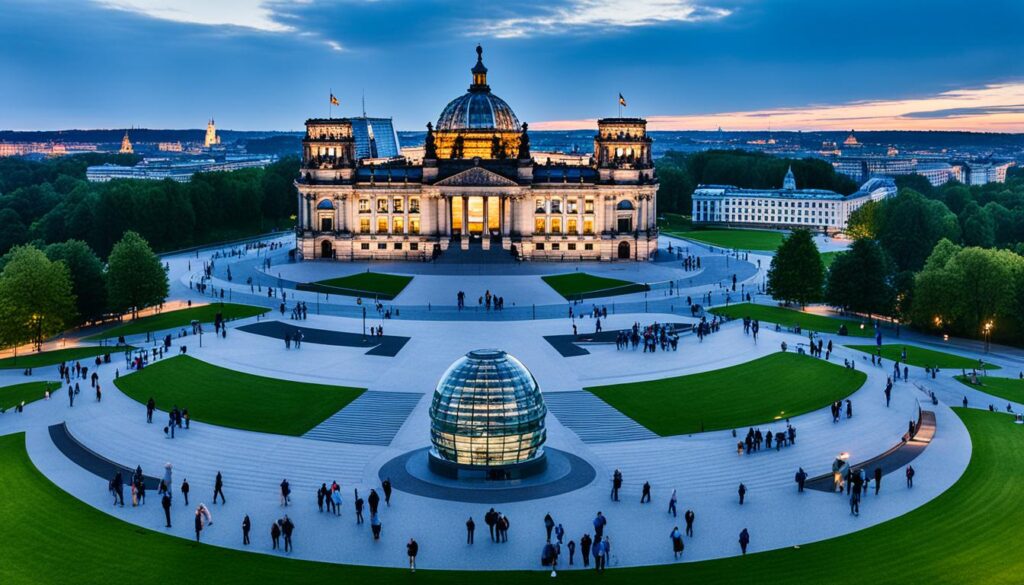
point(372, 419)
point(593, 420)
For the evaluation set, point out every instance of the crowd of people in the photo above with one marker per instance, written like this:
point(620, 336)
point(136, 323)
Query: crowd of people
point(651, 336)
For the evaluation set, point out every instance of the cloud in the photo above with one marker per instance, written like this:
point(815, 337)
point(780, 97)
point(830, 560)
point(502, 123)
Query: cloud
point(251, 14)
point(600, 15)
point(990, 108)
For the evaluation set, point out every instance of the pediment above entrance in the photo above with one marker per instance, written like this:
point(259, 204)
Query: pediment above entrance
point(476, 177)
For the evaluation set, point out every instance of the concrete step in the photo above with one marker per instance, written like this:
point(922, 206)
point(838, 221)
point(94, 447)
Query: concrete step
point(372, 419)
point(593, 420)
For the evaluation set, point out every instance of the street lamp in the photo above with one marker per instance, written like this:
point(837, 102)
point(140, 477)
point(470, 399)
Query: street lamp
point(987, 330)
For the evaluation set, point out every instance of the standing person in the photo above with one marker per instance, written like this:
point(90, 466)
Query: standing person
point(286, 529)
point(359, 508)
point(275, 534)
point(286, 491)
point(672, 503)
point(801, 479)
point(218, 489)
point(374, 501)
point(585, 550)
point(375, 525)
point(645, 493)
point(878, 479)
point(386, 486)
point(165, 502)
point(744, 540)
point(198, 524)
point(910, 476)
point(412, 549)
point(677, 542)
point(470, 528)
point(184, 490)
point(150, 407)
point(572, 551)
point(743, 492)
point(599, 523)
point(616, 485)
point(559, 533)
point(549, 525)
point(246, 527)
point(598, 550)
point(490, 519)
point(689, 516)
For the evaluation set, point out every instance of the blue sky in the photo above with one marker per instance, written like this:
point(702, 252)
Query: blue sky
point(258, 64)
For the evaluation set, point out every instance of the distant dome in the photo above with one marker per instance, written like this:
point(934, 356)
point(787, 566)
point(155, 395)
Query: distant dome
point(478, 108)
point(487, 411)
point(478, 111)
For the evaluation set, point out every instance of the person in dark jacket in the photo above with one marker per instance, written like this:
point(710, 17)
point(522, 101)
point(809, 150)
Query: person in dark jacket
point(801, 478)
point(218, 489)
point(386, 486)
point(275, 534)
point(878, 479)
point(287, 528)
point(585, 543)
point(412, 549)
point(184, 490)
point(744, 540)
point(246, 526)
point(166, 504)
point(199, 524)
point(470, 528)
point(374, 501)
point(743, 493)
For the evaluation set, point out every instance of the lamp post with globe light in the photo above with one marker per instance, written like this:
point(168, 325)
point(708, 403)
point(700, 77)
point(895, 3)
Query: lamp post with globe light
point(987, 331)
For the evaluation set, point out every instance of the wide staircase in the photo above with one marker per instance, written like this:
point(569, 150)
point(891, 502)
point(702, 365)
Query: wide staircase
point(593, 419)
point(372, 419)
point(475, 254)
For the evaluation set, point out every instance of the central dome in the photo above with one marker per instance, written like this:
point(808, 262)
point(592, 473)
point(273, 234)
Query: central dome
point(487, 411)
point(478, 108)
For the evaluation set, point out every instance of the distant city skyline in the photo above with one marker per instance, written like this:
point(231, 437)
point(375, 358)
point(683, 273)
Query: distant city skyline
point(685, 65)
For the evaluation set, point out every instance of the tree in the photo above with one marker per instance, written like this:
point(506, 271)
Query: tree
point(12, 230)
point(87, 278)
point(911, 225)
point(796, 272)
point(860, 280)
point(977, 226)
point(863, 222)
point(135, 277)
point(36, 300)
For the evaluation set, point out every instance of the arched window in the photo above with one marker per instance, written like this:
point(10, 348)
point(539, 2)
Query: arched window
point(325, 204)
point(624, 205)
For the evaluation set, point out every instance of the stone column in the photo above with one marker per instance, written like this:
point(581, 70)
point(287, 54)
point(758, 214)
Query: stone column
point(485, 237)
point(309, 211)
point(373, 215)
point(465, 222)
point(405, 214)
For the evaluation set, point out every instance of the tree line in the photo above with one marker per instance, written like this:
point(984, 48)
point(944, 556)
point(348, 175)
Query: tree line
point(680, 173)
point(943, 259)
point(50, 201)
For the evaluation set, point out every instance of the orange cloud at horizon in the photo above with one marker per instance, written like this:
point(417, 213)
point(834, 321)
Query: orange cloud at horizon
point(992, 108)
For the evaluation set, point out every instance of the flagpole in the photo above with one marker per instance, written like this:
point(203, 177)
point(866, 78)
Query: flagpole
point(330, 104)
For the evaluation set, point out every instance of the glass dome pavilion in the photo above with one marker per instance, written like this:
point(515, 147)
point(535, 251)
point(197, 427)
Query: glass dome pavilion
point(487, 414)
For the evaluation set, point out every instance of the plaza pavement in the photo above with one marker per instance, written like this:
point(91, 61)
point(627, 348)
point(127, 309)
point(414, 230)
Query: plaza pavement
point(704, 467)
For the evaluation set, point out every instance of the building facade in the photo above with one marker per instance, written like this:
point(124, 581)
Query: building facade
point(158, 169)
point(785, 208)
point(477, 185)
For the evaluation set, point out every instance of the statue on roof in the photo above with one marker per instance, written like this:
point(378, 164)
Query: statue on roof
point(524, 144)
point(430, 145)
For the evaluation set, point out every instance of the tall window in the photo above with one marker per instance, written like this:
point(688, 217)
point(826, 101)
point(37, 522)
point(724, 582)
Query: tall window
point(364, 206)
point(556, 206)
point(398, 225)
point(382, 225)
point(414, 225)
point(588, 206)
point(414, 205)
point(538, 225)
point(571, 225)
point(364, 225)
point(556, 225)
point(572, 206)
point(588, 227)
point(382, 205)
point(399, 206)
point(540, 206)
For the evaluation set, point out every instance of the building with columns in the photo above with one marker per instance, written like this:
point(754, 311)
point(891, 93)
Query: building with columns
point(477, 187)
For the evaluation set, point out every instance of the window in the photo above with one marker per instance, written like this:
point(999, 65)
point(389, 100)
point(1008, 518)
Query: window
point(572, 206)
point(364, 246)
point(556, 247)
point(325, 204)
point(326, 224)
point(382, 225)
point(588, 206)
point(399, 206)
point(414, 225)
point(382, 205)
point(625, 205)
point(571, 225)
point(398, 225)
point(588, 227)
point(572, 247)
point(364, 225)
point(556, 225)
point(414, 205)
point(364, 206)
point(540, 246)
point(398, 245)
point(414, 246)
point(540, 206)
point(382, 246)
point(588, 247)
point(538, 225)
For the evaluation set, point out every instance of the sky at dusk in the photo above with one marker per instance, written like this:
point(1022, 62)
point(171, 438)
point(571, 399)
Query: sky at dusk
point(738, 64)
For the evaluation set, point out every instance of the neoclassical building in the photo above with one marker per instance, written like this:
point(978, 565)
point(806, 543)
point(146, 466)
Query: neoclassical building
point(477, 186)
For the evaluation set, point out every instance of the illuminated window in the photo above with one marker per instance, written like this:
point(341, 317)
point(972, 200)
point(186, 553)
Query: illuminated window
point(414, 205)
point(414, 225)
point(364, 225)
point(538, 225)
point(382, 205)
point(364, 206)
point(399, 206)
point(398, 224)
point(556, 225)
point(571, 225)
point(588, 226)
point(382, 225)
point(588, 206)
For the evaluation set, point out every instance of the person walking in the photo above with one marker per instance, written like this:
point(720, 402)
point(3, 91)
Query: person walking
point(218, 489)
point(287, 528)
point(585, 544)
point(184, 490)
point(470, 529)
point(490, 519)
point(374, 501)
point(616, 485)
point(677, 543)
point(559, 534)
point(689, 517)
point(599, 555)
point(743, 492)
point(165, 502)
point(549, 525)
point(412, 549)
point(571, 545)
point(275, 535)
point(599, 523)
point(246, 527)
point(744, 540)
point(910, 476)
point(645, 493)
point(672, 503)
point(286, 491)
point(801, 479)
point(386, 486)
point(375, 525)
point(198, 524)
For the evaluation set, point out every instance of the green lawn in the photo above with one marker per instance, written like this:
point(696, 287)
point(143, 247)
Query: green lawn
point(790, 317)
point(827, 258)
point(366, 284)
point(580, 284)
point(180, 318)
point(779, 385)
point(1006, 388)
point(234, 399)
point(923, 358)
point(10, 396)
point(966, 536)
point(49, 358)
point(733, 238)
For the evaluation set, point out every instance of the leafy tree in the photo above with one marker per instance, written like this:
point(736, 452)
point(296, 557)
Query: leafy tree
point(135, 277)
point(911, 225)
point(863, 222)
point(12, 230)
point(977, 226)
point(796, 273)
point(36, 299)
point(957, 198)
point(860, 280)
point(87, 277)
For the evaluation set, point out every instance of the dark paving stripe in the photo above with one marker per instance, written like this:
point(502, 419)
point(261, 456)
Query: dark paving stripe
point(892, 460)
point(594, 420)
point(90, 461)
point(387, 345)
point(372, 419)
point(567, 345)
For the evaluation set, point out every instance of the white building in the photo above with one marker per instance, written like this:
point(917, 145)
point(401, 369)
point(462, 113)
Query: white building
point(158, 169)
point(785, 208)
point(984, 172)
